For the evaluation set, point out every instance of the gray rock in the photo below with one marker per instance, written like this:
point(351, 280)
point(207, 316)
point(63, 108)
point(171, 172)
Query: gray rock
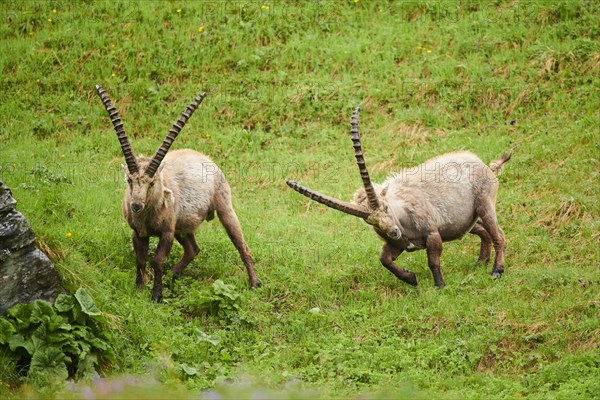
point(7, 202)
point(26, 274)
point(15, 232)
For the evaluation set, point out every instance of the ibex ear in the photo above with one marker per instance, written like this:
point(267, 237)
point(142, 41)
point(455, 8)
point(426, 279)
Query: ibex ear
point(169, 198)
point(384, 191)
point(125, 172)
point(159, 170)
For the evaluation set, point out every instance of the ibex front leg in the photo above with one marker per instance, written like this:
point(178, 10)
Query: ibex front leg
point(140, 246)
point(388, 256)
point(164, 246)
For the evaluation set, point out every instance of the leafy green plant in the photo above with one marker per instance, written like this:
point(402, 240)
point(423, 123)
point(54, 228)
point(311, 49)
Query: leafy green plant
point(223, 301)
point(60, 340)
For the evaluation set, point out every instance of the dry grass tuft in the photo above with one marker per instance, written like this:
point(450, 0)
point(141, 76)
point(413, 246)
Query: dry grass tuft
point(550, 67)
point(566, 213)
point(53, 252)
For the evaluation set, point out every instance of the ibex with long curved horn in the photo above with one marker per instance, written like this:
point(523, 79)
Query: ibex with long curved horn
point(419, 208)
point(169, 196)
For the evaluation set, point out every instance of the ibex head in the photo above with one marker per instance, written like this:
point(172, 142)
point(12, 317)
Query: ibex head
point(141, 172)
point(377, 211)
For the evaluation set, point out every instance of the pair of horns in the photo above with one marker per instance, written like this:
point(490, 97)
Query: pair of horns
point(340, 205)
point(164, 147)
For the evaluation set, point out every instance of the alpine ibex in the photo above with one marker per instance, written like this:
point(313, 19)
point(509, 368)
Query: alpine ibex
point(419, 208)
point(169, 196)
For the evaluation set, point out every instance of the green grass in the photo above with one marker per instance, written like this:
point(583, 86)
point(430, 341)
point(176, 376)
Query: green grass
point(431, 77)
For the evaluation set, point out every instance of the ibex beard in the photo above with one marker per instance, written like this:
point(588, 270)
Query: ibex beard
point(169, 196)
point(440, 200)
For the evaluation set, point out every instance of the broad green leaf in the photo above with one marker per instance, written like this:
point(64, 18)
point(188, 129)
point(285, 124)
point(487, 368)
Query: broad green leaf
point(41, 311)
point(59, 338)
point(203, 337)
point(56, 322)
point(82, 332)
point(22, 315)
point(87, 303)
point(6, 330)
point(78, 315)
point(16, 341)
point(85, 349)
point(50, 361)
point(99, 344)
point(30, 344)
point(190, 371)
point(64, 303)
point(86, 365)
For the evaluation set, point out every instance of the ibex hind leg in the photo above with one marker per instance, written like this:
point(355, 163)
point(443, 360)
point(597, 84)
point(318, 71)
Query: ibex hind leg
point(389, 254)
point(232, 226)
point(190, 250)
point(487, 213)
point(485, 251)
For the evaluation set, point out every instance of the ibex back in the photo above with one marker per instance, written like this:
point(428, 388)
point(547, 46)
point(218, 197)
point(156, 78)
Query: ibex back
point(169, 196)
point(419, 208)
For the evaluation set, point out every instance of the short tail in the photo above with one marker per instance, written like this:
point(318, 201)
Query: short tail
point(497, 165)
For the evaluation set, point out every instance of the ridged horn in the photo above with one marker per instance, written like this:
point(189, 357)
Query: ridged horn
point(336, 204)
point(360, 161)
point(177, 127)
point(121, 135)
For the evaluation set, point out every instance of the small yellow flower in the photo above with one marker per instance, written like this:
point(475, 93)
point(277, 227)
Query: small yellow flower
point(37, 81)
point(201, 28)
point(265, 7)
point(113, 45)
point(54, 11)
point(357, 1)
point(179, 10)
point(113, 75)
point(428, 51)
point(30, 33)
point(49, 19)
point(68, 235)
point(62, 155)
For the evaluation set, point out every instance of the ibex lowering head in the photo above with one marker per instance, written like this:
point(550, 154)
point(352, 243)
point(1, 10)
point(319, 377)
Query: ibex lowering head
point(169, 196)
point(419, 208)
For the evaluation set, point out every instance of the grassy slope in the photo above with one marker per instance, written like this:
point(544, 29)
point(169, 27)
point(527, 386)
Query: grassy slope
point(431, 77)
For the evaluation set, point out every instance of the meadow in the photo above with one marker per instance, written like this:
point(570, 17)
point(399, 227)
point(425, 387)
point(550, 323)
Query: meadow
point(282, 79)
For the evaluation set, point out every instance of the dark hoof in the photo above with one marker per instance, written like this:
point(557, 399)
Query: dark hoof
point(175, 277)
point(157, 297)
point(440, 286)
point(497, 274)
point(256, 284)
point(410, 278)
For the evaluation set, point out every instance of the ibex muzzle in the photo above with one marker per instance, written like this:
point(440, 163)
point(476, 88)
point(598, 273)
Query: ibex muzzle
point(411, 211)
point(169, 196)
